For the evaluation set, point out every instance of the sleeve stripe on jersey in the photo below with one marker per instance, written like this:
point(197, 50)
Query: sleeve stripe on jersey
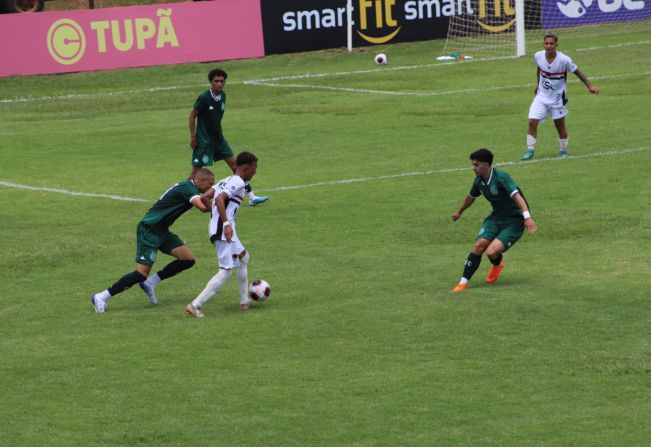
point(194, 197)
point(515, 191)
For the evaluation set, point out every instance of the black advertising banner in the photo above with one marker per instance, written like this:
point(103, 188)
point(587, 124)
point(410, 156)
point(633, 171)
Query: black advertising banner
point(306, 25)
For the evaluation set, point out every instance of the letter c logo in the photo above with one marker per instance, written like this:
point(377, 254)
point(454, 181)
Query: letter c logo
point(66, 41)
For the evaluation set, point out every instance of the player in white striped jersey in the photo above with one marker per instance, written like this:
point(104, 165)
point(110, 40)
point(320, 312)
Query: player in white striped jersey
point(550, 93)
point(228, 194)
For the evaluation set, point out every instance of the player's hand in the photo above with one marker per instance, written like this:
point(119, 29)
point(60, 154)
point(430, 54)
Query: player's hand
point(193, 142)
point(228, 233)
point(594, 89)
point(530, 225)
point(456, 216)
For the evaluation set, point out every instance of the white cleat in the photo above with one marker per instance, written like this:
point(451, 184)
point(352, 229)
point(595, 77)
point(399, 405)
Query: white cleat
point(149, 291)
point(193, 311)
point(98, 304)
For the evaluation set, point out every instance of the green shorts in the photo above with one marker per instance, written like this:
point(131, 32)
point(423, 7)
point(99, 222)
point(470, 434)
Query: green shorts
point(205, 155)
point(149, 241)
point(505, 229)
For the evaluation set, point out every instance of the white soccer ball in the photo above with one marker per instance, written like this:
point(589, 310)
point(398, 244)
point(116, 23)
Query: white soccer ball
point(381, 59)
point(259, 290)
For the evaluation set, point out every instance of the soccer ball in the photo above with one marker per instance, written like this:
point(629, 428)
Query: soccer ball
point(381, 59)
point(259, 290)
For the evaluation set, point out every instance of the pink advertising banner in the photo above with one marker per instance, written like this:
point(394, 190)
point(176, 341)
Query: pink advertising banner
point(103, 39)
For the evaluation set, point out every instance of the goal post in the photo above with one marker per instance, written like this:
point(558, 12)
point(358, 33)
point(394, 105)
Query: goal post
point(485, 28)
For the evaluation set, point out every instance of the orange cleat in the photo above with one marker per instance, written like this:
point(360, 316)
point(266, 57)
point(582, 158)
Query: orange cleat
point(494, 273)
point(459, 288)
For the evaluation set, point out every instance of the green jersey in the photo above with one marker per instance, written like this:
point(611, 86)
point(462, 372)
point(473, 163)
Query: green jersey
point(172, 204)
point(499, 191)
point(211, 109)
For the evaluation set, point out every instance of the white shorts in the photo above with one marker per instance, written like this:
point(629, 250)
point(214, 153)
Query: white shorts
point(228, 255)
point(539, 110)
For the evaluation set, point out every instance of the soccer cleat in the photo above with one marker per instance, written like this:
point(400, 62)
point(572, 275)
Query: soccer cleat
point(246, 305)
point(98, 304)
point(193, 311)
point(459, 288)
point(149, 291)
point(527, 155)
point(494, 273)
point(258, 200)
point(562, 154)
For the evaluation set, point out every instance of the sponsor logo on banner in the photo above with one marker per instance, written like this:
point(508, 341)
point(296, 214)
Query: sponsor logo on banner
point(565, 13)
point(304, 25)
point(66, 39)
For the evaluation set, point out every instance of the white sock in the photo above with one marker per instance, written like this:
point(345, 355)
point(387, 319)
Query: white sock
point(104, 295)
point(215, 283)
point(243, 279)
point(531, 143)
point(251, 195)
point(153, 280)
point(563, 144)
point(463, 281)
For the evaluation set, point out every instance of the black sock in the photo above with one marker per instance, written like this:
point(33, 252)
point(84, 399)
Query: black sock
point(496, 261)
point(125, 282)
point(471, 266)
point(175, 267)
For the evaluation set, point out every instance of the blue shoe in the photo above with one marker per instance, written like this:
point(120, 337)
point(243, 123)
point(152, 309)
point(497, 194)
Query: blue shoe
point(562, 154)
point(149, 291)
point(527, 155)
point(258, 200)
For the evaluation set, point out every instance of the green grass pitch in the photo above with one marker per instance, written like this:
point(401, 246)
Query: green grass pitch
point(360, 343)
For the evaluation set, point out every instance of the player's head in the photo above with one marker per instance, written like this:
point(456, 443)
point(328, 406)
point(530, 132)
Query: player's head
point(550, 41)
point(481, 159)
point(204, 179)
point(217, 78)
point(247, 165)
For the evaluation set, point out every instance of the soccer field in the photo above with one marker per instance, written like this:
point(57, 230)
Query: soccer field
point(360, 343)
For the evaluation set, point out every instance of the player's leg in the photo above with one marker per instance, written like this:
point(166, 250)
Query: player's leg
point(172, 245)
point(225, 259)
point(563, 137)
point(201, 156)
point(472, 263)
point(243, 278)
point(100, 299)
point(537, 114)
point(494, 254)
point(510, 232)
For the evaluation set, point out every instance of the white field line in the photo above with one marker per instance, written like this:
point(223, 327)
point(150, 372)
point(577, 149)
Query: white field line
point(345, 181)
point(71, 193)
point(270, 81)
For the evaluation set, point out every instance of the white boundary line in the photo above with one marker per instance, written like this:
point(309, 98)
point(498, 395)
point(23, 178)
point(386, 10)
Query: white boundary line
point(270, 81)
point(344, 181)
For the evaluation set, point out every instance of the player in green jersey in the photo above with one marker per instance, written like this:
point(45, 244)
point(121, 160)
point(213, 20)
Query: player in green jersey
point(206, 136)
point(504, 226)
point(153, 234)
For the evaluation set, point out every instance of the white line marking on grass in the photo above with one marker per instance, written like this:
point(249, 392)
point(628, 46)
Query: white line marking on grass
point(448, 170)
point(343, 181)
point(270, 81)
point(72, 193)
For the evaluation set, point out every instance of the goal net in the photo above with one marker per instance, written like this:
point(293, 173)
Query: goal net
point(486, 28)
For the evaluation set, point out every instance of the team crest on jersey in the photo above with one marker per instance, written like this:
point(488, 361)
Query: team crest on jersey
point(205, 159)
point(493, 190)
point(223, 106)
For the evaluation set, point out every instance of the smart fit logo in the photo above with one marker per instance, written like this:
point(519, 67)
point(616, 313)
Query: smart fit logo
point(381, 14)
point(499, 7)
point(67, 43)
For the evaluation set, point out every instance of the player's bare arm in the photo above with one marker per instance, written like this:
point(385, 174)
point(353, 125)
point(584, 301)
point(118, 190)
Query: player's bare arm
point(529, 224)
point(192, 120)
point(221, 209)
point(592, 88)
point(200, 205)
point(468, 201)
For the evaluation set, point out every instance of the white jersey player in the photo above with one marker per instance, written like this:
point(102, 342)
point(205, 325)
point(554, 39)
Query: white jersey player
point(551, 97)
point(228, 194)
